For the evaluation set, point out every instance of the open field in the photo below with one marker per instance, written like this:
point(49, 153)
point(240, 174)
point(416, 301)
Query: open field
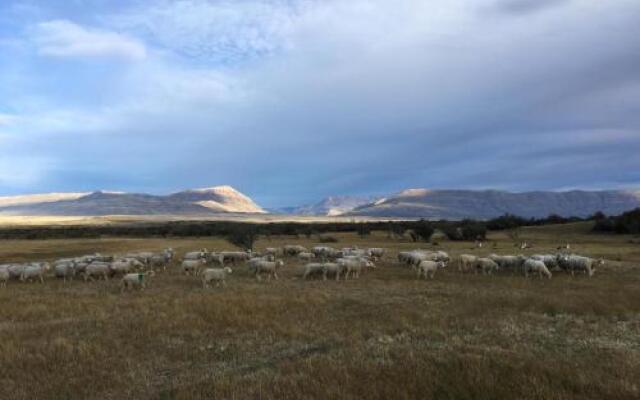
point(384, 336)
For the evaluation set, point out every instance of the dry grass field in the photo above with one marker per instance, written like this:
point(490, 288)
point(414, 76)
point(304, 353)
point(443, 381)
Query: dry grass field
point(384, 336)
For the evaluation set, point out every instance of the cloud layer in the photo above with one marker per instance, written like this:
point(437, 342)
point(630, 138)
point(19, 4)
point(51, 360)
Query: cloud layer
point(294, 100)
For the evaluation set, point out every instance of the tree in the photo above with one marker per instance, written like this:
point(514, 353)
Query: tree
point(424, 230)
point(243, 236)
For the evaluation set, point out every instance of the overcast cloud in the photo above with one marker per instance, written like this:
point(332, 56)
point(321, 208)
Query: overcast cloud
point(291, 101)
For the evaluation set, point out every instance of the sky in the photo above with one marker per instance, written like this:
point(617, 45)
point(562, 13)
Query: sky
point(290, 101)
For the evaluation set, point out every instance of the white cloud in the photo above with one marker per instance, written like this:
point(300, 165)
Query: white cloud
point(61, 38)
point(6, 119)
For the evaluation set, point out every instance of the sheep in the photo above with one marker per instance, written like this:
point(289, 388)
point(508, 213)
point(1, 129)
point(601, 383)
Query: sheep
point(273, 251)
point(217, 275)
point(97, 269)
point(376, 253)
point(467, 262)
point(270, 268)
point(15, 271)
point(428, 268)
point(135, 280)
point(404, 257)
point(313, 269)
point(34, 271)
point(508, 263)
point(353, 266)
point(234, 256)
point(324, 252)
point(333, 269)
point(162, 259)
point(125, 266)
point(575, 263)
point(306, 256)
point(549, 260)
point(65, 270)
point(293, 249)
point(537, 266)
point(195, 255)
point(486, 265)
point(192, 266)
point(4, 275)
point(354, 251)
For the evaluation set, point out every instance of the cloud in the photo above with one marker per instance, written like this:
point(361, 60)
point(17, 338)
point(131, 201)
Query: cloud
point(522, 7)
point(61, 38)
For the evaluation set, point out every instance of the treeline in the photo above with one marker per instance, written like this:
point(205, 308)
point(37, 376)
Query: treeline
point(626, 223)
point(235, 231)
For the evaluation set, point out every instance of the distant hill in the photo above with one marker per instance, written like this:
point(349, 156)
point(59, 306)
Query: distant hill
point(220, 199)
point(330, 206)
point(485, 204)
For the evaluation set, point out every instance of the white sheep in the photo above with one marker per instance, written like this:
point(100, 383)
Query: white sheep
point(333, 269)
point(509, 263)
point(306, 256)
point(549, 260)
point(353, 266)
point(34, 271)
point(467, 262)
point(64, 270)
point(270, 268)
point(428, 268)
point(125, 266)
point(135, 280)
point(486, 265)
point(293, 249)
point(575, 263)
point(376, 253)
point(536, 266)
point(96, 270)
point(313, 269)
point(217, 275)
point(192, 267)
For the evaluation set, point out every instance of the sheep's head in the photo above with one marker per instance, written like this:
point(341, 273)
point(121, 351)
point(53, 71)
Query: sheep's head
point(228, 270)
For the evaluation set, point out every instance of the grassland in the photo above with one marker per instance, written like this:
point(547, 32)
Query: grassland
point(385, 336)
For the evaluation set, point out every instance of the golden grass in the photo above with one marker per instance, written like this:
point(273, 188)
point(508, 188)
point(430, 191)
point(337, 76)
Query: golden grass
point(385, 336)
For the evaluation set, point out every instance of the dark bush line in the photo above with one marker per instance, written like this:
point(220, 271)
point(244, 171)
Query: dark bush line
point(626, 223)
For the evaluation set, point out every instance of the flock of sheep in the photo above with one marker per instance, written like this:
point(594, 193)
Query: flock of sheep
point(319, 262)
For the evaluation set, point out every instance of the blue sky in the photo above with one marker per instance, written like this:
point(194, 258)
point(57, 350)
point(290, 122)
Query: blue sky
point(291, 101)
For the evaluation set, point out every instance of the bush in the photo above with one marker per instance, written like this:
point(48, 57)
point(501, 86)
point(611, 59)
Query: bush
point(423, 230)
point(243, 236)
point(327, 239)
point(627, 223)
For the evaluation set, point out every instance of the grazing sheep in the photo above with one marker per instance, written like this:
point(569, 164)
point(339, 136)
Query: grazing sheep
point(354, 252)
point(293, 250)
point(15, 271)
point(306, 256)
point(161, 260)
point(34, 271)
point(217, 275)
point(486, 265)
point(135, 280)
point(324, 252)
point(64, 270)
point(4, 275)
point(428, 268)
point(376, 253)
point(125, 266)
point(234, 256)
point(573, 263)
point(509, 263)
point(549, 260)
point(333, 269)
point(192, 267)
point(96, 270)
point(196, 255)
point(272, 251)
point(467, 262)
point(270, 268)
point(313, 269)
point(353, 266)
point(536, 266)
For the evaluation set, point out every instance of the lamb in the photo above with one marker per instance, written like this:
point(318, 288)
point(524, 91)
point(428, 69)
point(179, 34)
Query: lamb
point(96, 270)
point(536, 266)
point(192, 266)
point(217, 275)
point(428, 268)
point(34, 271)
point(486, 265)
point(135, 280)
point(575, 263)
point(467, 262)
point(268, 267)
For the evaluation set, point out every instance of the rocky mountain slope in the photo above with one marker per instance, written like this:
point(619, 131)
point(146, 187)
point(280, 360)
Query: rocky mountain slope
point(460, 204)
point(220, 199)
point(330, 206)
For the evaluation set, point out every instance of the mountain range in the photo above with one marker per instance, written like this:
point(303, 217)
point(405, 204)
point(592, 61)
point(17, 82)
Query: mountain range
point(219, 199)
point(410, 203)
